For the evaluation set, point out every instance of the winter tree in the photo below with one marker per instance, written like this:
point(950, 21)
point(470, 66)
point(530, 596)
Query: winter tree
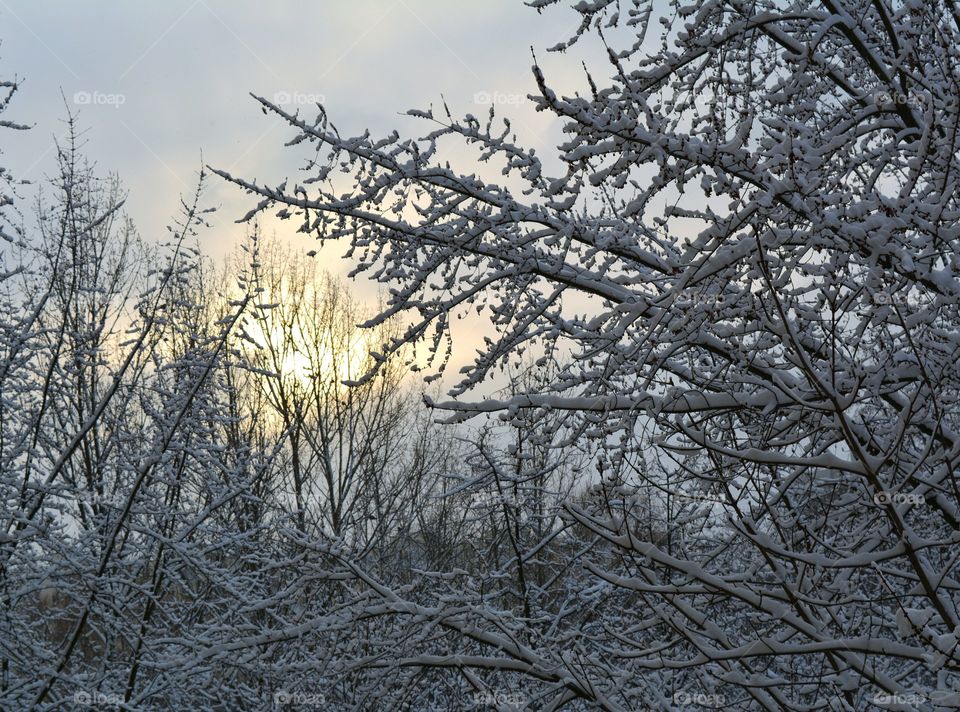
point(346, 446)
point(152, 556)
point(747, 262)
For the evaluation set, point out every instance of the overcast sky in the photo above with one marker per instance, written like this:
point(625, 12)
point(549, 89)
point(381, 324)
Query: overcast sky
point(157, 83)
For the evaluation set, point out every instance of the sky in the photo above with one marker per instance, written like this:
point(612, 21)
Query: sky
point(158, 85)
point(162, 87)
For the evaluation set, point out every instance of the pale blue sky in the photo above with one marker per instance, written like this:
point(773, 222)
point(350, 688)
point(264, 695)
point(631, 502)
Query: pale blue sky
point(166, 80)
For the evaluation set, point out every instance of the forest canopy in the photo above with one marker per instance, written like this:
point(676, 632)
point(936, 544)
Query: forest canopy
point(722, 472)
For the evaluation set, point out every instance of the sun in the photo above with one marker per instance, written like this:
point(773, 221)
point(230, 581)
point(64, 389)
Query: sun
point(297, 365)
point(309, 358)
point(306, 332)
